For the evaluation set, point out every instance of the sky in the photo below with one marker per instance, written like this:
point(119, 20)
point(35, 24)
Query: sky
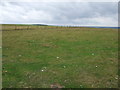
point(60, 13)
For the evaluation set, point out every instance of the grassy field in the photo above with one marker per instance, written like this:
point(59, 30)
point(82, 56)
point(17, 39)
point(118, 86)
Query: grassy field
point(47, 57)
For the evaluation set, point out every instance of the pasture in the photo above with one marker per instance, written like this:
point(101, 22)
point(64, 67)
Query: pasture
point(64, 57)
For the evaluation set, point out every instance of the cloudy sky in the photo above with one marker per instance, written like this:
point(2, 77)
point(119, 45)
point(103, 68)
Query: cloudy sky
point(60, 13)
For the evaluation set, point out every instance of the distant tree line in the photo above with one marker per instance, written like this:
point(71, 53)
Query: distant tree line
point(32, 26)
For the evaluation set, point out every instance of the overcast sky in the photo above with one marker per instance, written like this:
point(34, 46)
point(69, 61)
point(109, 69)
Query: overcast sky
point(60, 13)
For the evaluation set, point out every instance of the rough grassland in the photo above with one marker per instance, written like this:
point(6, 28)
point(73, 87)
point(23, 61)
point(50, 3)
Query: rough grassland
point(47, 57)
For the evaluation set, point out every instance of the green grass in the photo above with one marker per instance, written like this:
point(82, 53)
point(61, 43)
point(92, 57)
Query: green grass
point(69, 57)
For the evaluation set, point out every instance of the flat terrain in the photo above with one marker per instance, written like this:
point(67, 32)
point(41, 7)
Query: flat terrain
point(69, 57)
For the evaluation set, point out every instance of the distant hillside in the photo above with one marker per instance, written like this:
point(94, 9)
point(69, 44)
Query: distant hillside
point(104, 27)
point(40, 24)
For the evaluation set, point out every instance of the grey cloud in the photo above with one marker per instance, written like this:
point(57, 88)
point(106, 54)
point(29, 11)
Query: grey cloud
point(61, 13)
